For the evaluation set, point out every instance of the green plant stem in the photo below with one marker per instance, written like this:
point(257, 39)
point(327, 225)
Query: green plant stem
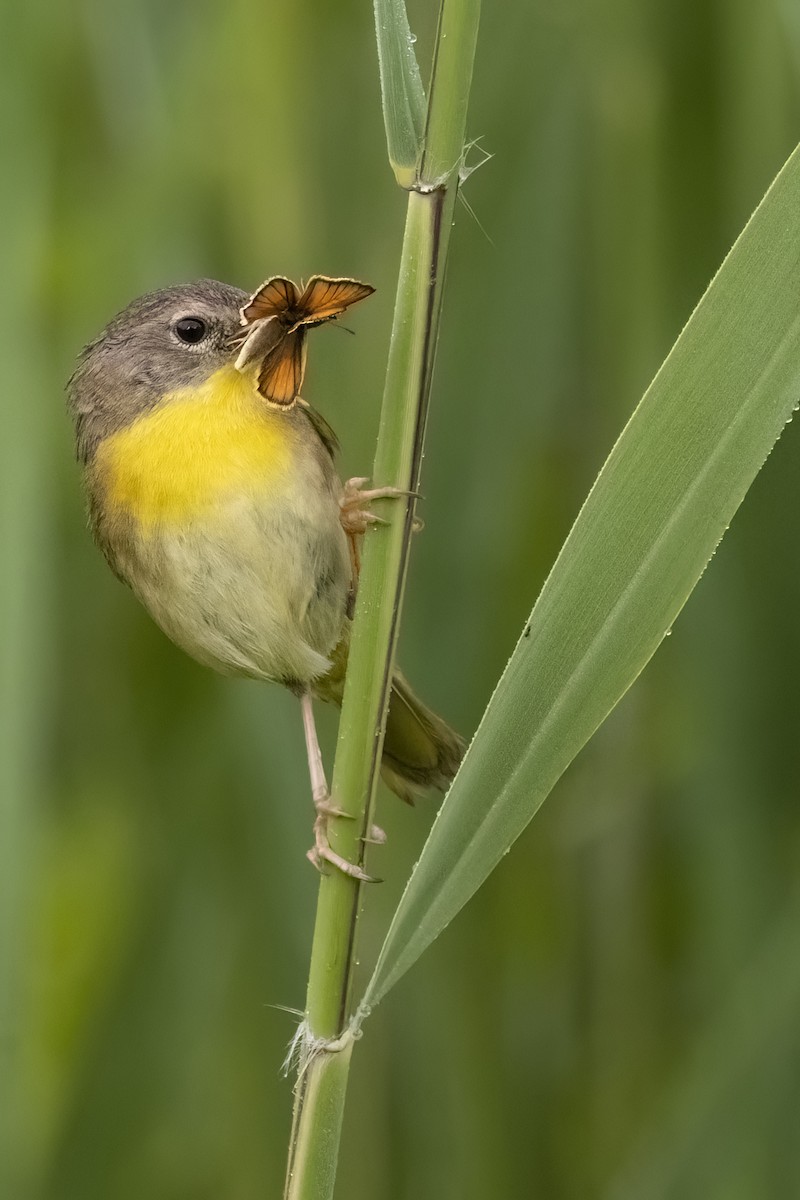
point(380, 595)
point(451, 79)
point(320, 1093)
point(317, 1124)
point(324, 1077)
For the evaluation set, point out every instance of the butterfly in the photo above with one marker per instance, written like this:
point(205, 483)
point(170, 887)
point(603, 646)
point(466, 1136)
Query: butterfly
point(276, 320)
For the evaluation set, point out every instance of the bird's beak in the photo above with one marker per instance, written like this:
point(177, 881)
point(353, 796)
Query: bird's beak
point(254, 342)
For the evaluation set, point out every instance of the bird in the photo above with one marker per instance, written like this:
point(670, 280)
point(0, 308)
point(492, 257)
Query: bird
point(225, 515)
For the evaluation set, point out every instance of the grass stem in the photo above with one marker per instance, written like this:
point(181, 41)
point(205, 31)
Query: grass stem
point(320, 1093)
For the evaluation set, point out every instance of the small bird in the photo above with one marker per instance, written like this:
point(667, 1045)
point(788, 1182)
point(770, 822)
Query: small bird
point(224, 514)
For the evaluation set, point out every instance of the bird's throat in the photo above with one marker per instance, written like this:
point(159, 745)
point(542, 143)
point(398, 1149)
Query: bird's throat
point(198, 447)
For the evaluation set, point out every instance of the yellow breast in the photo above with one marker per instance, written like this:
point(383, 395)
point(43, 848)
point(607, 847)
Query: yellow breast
point(197, 447)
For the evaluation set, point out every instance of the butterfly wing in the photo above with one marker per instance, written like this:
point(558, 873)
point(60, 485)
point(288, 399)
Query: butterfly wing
point(257, 341)
point(283, 344)
point(272, 299)
point(324, 298)
point(281, 375)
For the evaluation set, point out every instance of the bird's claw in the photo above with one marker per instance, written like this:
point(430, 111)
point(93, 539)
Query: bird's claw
point(322, 852)
point(356, 517)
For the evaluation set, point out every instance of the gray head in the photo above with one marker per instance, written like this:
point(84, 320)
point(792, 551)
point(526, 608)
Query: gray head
point(163, 341)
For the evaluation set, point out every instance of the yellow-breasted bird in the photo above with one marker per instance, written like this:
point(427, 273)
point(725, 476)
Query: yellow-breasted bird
point(224, 514)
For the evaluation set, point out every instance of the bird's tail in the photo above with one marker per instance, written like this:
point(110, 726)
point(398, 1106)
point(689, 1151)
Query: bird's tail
point(420, 750)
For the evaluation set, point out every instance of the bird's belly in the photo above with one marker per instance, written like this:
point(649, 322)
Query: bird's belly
point(253, 590)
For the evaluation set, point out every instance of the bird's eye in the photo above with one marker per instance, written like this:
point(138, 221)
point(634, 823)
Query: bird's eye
point(191, 330)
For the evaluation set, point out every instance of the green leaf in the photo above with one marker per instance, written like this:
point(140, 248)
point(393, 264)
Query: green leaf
point(403, 95)
point(652, 521)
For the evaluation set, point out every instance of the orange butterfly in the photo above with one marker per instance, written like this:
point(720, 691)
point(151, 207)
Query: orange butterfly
point(277, 318)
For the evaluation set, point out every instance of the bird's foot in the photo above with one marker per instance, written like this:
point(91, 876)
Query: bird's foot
point(356, 516)
point(322, 852)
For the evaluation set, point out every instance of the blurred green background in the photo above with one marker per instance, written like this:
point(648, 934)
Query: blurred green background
point(616, 1013)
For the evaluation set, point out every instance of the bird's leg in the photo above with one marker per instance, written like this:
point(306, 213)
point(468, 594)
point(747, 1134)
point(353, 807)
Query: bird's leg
point(356, 517)
point(322, 851)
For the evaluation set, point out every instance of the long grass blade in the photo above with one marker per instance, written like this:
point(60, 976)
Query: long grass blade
point(652, 521)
